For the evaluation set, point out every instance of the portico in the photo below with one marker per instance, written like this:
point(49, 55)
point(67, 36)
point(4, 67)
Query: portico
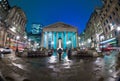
point(52, 33)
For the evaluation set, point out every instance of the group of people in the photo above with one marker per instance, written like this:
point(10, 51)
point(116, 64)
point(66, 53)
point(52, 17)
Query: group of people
point(60, 52)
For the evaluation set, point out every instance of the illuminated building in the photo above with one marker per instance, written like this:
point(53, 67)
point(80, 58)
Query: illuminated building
point(16, 22)
point(4, 9)
point(103, 27)
point(52, 33)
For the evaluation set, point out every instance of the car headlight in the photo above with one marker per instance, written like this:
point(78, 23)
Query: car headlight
point(1, 50)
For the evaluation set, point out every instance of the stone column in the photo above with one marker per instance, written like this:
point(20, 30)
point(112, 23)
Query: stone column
point(64, 41)
point(76, 40)
point(72, 36)
point(42, 42)
point(57, 40)
point(19, 20)
point(72, 39)
point(5, 38)
point(68, 39)
point(52, 40)
point(47, 39)
point(55, 36)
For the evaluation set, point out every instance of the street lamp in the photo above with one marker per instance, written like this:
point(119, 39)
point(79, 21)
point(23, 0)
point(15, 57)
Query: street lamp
point(101, 39)
point(52, 44)
point(29, 43)
point(17, 38)
point(68, 43)
point(117, 36)
point(118, 28)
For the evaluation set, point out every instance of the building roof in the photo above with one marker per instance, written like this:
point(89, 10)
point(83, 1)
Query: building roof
point(60, 26)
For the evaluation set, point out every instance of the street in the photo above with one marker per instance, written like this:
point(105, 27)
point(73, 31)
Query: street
point(77, 69)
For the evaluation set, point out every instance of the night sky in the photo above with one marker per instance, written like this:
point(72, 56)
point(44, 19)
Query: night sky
point(46, 12)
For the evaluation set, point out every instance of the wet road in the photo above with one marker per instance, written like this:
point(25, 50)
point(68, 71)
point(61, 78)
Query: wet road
point(51, 69)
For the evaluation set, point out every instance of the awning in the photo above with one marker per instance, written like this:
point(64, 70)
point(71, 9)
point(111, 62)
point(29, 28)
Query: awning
point(109, 40)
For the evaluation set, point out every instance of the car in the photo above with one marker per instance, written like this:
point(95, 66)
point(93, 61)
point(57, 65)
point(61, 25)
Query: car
point(5, 50)
point(50, 52)
point(106, 47)
point(1, 49)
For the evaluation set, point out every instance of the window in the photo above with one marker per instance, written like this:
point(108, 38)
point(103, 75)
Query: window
point(104, 15)
point(106, 10)
point(107, 37)
point(101, 18)
point(111, 1)
point(113, 13)
point(106, 29)
point(109, 27)
point(119, 3)
point(111, 35)
point(116, 8)
point(106, 21)
point(108, 5)
point(110, 17)
point(115, 32)
point(117, 20)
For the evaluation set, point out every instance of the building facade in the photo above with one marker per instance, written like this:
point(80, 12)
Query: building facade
point(16, 22)
point(110, 22)
point(59, 31)
point(81, 40)
point(4, 8)
point(103, 27)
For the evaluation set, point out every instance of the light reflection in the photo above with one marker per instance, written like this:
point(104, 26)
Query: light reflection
point(66, 59)
point(53, 59)
point(98, 60)
point(67, 64)
point(110, 70)
point(18, 65)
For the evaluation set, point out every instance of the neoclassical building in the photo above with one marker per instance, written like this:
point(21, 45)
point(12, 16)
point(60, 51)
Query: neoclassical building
point(15, 27)
point(59, 31)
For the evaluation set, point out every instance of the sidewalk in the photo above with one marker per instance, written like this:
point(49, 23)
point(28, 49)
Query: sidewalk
point(9, 71)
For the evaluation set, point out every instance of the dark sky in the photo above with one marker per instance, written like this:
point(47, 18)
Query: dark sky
point(72, 12)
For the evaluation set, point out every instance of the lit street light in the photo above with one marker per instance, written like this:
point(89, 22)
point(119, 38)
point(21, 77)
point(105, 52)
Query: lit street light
point(17, 38)
point(117, 37)
point(118, 28)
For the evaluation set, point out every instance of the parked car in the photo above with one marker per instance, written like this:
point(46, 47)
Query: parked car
point(5, 50)
point(106, 47)
point(50, 52)
point(1, 49)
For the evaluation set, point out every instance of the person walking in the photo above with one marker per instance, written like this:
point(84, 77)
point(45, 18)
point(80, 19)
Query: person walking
point(69, 53)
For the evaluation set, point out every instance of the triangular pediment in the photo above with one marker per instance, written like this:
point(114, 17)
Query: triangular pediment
point(59, 26)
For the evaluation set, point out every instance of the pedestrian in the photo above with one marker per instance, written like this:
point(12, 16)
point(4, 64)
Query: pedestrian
point(60, 53)
point(69, 53)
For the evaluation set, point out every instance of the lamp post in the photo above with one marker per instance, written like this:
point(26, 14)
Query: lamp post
point(29, 43)
point(102, 38)
point(17, 38)
point(117, 37)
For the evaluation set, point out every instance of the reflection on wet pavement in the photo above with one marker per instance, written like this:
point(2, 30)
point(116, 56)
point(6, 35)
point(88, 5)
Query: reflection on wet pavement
point(76, 69)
